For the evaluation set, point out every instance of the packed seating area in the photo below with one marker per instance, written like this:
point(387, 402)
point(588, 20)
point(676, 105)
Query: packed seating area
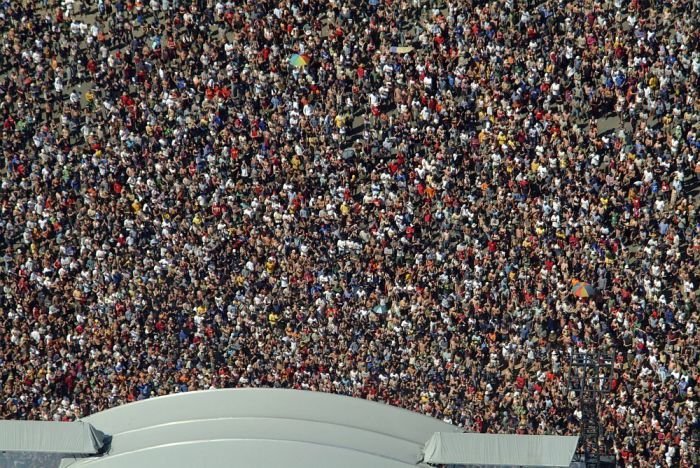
point(389, 199)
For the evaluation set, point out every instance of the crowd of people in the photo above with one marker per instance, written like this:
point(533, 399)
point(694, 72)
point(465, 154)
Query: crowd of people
point(400, 219)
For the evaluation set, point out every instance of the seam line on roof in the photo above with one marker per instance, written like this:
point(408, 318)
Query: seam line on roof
point(90, 460)
point(173, 423)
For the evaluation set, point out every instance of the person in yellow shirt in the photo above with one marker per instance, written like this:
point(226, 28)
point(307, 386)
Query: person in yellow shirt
point(501, 139)
point(563, 162)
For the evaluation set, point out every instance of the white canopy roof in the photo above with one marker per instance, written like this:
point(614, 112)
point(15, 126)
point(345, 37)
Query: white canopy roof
point(50, 437)
point(268, 428)
point(500, 449)
point(261, 427)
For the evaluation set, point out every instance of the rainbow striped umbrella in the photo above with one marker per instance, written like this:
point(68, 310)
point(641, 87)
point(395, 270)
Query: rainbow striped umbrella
point(299, 60)
point(583, 290)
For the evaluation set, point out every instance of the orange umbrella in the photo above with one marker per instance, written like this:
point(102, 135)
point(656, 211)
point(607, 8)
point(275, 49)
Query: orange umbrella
point(583, 290)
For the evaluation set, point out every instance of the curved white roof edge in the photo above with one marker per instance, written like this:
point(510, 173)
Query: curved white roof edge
point(263, 427)
point(271, 403)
